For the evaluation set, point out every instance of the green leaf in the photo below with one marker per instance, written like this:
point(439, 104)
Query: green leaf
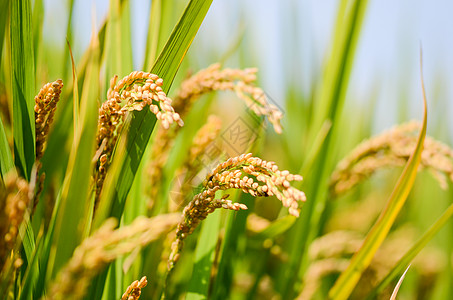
point(74, 217)
point(3, 18)
point(38, 20)
point(413, 251)
point(152, 40)
point(327, 110)
point(23, 81)
point(6, 158)
point(118, 51)
point(276, 228)
point(204, 257)
point(33, 270)
point(142, 123)
point(361, 260)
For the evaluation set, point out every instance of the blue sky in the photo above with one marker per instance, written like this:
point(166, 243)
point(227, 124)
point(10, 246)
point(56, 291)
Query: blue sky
point(287, 40)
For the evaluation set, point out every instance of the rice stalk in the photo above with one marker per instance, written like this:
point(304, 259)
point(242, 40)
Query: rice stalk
point(192, 165)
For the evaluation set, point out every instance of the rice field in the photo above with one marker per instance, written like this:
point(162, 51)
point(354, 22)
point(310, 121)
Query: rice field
point(181, 180)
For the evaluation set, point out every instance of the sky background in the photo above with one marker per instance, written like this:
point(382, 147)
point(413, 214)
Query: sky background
point(289, 41)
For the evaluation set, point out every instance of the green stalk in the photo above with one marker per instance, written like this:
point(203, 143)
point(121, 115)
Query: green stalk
point(6, 158)
point(413, 251)
point(361, 260)
point(142, 123)
point(73, 219)
point(204, 257)
point(327, 109)
point(23, 84)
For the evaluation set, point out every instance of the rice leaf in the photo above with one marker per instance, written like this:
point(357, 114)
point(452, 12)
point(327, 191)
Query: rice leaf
point(45, 254)
point(6, 158)
point(204, 257)
point(361, 260)
point(276, 228)
point(152, 39)
point(327, 110)
point(33, 270)
point(398, 285)
point(4, 4)
point(412, 252)
point(118, 51)
point(38, 19)
point(113, 43)
point(142, 123)
point(23, 82)
point(74, 217)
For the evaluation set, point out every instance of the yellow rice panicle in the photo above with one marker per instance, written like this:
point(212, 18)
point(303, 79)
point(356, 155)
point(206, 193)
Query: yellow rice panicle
point(331, 254)
point(103, 247)
point(208, 80)
point(14, 202)
point(134, 92)
point(252, 175)
point(45, 106)
point(240, 81)
point(134, 290)
point(391, 149)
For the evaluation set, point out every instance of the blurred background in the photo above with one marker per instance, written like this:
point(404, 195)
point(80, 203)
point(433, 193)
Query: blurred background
point(288, 41)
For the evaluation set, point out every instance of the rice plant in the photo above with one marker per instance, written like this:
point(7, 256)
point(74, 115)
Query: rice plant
point(160, 183)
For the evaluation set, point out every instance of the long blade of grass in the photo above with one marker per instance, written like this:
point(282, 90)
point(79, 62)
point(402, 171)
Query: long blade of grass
point(23, 82)
point(361, 260)
point(74, 216)
point(413, 251)
point(4, 4)
point(75, 94)
point(398, 285)
point(33, 270)
point(152, 39)
point(204, 257)
point(6, 158)
point(142, 123)
point(328, 110)
point(38, 20)
point(55, 160)
point(118, 50)
point(113, 43)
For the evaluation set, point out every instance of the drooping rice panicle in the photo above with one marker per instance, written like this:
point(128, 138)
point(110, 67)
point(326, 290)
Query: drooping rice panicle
point(45, 106)
point(14, 202)
point(134, 290)
point(331, 254)
point(207, 80)
point(240, 81)
point(391, 149)
point(319, 270)
point(252, 175)
point(193, 164)
point(103, 247)
point(133, 92)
